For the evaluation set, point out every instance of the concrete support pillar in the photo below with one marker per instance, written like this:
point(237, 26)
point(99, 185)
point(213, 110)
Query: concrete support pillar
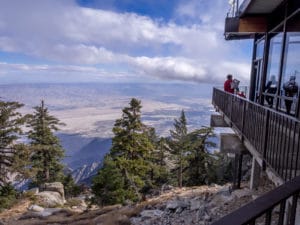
point(237, 172)
point(255, 174)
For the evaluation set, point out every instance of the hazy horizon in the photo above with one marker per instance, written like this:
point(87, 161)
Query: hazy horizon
point(91, 108)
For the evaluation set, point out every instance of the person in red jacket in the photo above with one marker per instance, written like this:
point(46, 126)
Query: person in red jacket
point(228, 84)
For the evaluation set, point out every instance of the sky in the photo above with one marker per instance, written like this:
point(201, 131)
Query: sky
point(55, 41)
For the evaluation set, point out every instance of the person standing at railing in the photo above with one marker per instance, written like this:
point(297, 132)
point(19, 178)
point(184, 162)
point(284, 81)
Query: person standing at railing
point(290, 90)
point(228, 86)
point(271, 89)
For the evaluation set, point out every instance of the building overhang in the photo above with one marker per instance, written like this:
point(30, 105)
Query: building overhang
point(258, 7)
point(251, 18)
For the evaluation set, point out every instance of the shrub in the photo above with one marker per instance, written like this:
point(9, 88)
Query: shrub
point(8, 196)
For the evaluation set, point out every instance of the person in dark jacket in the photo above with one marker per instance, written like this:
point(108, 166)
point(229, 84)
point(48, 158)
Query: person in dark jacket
point(290, 90)
point(271, 88)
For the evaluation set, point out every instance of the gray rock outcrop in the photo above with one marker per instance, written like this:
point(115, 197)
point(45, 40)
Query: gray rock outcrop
point(55, 187)
point(50, 199)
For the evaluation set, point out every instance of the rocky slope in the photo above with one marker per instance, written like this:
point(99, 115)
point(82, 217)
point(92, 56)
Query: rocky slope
point(195, 205)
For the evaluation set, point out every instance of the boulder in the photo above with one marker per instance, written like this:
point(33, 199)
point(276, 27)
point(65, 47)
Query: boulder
point(55, 186)
point(35, 208)
point(242, 193)
point(151, 213)
point(32, 191)
point(50, 199)
point(173, 205)
point(195, 203)
point(49, 212)
point(220, 200)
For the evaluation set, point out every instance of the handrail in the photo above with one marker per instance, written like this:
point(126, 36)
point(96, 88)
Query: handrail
point(276, 136)
point(265, 204)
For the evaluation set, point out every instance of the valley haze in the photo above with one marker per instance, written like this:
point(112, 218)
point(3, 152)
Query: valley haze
point(89, 111)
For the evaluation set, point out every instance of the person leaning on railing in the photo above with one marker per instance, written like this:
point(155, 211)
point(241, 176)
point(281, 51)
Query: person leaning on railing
point(290, 90)
point(271, 89)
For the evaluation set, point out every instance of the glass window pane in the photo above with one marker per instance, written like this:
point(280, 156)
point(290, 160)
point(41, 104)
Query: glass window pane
point(274, 55)
point(291, 72)
point(260, 49)
point(271, 84)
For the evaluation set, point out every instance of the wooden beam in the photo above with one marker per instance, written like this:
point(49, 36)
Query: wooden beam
point(253, 24)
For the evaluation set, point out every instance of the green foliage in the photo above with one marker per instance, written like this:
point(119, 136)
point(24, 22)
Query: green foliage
point(159, 173)
point(140, 161)
point(179, 146)
point(193, 163)
point(201, 167)
point(46, 149)
point(10, 130)
point(72, 202)
point(7, 196)
point(224, 168)
point(109, 184)
point(71, 189)
point(129, 158)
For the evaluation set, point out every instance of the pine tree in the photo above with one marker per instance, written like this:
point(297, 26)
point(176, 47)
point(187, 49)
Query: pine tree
point(160, 154)
point(71, 189)
point(10, 130)
point(47, 151)
point(129, 158)
point(201, 167)
point(109, 184)
point(179, 145)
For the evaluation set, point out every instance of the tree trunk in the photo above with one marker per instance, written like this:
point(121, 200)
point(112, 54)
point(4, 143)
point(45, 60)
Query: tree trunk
point(180, 174)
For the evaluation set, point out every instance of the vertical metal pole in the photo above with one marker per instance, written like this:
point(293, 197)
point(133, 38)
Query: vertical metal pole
point(264, 70)
point(266, 133)
point(293, 209)
point(268, 217)
point(240, 166)
point(235, 168)
point(281, 213)
point(253, 75)
point(282, 57)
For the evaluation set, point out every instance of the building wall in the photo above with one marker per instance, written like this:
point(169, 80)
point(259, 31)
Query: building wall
point(277, 58)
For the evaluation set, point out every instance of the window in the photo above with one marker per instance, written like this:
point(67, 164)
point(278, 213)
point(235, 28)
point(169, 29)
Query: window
point(272, 78)
point(291, 68)
point(260, 49)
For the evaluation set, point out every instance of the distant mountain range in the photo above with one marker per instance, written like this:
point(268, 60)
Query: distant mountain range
point(85, 173)
point(90, 153)
point(85, 155)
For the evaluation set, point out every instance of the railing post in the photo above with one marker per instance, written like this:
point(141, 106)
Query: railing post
point(266, 133)
point(243, 118)
point(231, 106)
point(293, 209)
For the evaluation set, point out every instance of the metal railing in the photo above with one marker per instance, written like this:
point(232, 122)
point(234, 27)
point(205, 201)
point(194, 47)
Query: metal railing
point(276, 137)
point(270, 208)
point(273, 134)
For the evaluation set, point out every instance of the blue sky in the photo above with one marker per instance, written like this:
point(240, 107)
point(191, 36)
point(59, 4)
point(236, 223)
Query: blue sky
point(118, 40)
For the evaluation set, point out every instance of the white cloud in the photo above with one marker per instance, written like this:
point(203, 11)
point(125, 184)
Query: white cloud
point(170, 68)
point(57, 73)
point(63, 32)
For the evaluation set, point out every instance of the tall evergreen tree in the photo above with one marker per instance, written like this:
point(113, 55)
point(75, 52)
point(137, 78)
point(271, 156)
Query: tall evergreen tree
point(159, 157)
point(129, 157)
point(10, 130)
point(47, 151)
point(201, 167)
point(179, 145)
